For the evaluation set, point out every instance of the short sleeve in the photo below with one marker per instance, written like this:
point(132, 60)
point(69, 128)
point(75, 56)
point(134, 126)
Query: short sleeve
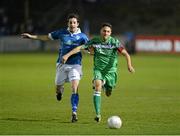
point(55, 35)
point(85, 39)
point(120, 46)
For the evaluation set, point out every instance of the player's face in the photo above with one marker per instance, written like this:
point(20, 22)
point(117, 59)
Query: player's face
point(73, 24)
point(105, 32)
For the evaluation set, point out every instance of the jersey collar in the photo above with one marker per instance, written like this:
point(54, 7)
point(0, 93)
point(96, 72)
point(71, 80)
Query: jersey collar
point(76, 32)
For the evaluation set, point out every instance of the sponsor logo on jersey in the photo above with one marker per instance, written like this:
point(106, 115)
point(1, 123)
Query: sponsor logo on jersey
point(107, 46)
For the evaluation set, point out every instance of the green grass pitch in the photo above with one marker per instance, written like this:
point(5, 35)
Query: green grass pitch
point(148, 101)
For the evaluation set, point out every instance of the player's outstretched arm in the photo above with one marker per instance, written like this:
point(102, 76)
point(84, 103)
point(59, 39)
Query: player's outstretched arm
point(35, 37)
point(74, 51)
point(128, 59)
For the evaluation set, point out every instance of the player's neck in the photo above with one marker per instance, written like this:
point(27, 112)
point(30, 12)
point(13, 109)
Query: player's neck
point(104, 39)
point(74, 30)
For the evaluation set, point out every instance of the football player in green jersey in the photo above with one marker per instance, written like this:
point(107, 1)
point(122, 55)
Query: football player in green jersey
point(105, 49)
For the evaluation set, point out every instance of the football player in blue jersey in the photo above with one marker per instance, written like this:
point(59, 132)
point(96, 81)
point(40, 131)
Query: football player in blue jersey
point(71, 71)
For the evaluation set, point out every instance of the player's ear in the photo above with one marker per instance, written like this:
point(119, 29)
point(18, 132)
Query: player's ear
point(68, 23)
point(110, 32)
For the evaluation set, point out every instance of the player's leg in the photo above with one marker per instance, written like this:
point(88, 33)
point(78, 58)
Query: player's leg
point(74, 77)
point(74, 99)
point(97, 93)
point(103, 83)
point(59, 91)
point(97, 99)
point(111, 79)
point(108, 91)
point(60, 78)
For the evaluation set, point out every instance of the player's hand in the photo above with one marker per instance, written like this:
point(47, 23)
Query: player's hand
point(26, 35)
point(64, 59)
point(91, 50)
point(131, 69)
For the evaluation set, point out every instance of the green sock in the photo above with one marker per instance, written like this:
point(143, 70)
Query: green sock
point(97, 102)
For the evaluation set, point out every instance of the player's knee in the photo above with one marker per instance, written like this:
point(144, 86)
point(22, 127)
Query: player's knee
point(98, 87)
point(74, 89)
point(74, 86)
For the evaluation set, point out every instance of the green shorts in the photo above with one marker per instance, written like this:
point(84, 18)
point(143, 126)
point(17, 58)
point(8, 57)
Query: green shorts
point(110, 79)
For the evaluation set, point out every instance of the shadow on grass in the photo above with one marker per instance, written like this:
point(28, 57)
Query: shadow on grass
point(34, 120)
point(40, 120)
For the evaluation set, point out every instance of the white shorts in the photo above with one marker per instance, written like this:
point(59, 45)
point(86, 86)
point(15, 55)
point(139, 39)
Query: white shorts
point(67, 73)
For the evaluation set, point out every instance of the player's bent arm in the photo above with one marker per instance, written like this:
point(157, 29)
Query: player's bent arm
point(35, 37)
point(74, 51)
point(128, 59)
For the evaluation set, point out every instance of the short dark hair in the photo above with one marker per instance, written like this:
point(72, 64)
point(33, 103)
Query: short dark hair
point(73, 15)
point(106, 24)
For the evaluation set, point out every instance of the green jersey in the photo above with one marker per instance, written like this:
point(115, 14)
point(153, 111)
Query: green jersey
point(105, 53)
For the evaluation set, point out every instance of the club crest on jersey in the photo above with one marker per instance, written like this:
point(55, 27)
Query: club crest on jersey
point(77, 37)
point(68, 42)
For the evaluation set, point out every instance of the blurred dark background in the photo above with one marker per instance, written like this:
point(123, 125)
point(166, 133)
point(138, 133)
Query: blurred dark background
point(145, 17)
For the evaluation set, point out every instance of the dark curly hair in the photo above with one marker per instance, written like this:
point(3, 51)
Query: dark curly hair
point(73, 15)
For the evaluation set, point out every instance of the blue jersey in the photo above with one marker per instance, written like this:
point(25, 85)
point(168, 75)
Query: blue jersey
point(69, 41)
